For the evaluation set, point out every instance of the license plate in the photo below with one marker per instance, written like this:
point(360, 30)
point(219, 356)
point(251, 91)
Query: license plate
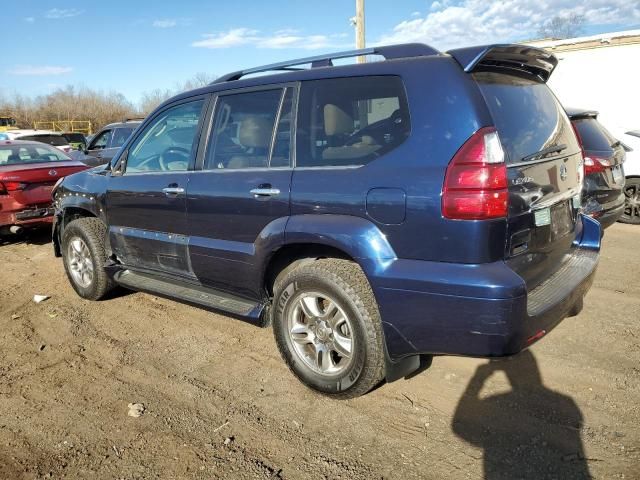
point(542, 217)
point(617, 174)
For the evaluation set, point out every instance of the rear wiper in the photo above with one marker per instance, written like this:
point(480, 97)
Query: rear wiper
point(545, 151)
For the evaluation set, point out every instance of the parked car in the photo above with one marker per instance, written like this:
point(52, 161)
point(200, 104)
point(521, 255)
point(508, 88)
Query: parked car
point(106, 143)
point(28, 172)
point(631, 143)
point(55, 139)
point(373, 213)
point(77, 140)
point(603, 196)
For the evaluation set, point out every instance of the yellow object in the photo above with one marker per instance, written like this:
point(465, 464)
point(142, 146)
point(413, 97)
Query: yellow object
point(7, 123)
point(72, 126)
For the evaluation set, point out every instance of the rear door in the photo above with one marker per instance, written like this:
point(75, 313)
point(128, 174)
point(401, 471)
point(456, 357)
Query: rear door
point(544, 171)
point(146, 198)
point(239, 199)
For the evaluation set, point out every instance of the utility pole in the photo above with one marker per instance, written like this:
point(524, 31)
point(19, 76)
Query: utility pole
point(359, 21)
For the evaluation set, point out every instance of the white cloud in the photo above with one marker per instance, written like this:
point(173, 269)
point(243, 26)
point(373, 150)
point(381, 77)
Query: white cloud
point(29, 19)
point(286, 38)
point(39, 70)
point(415, 14)
point(472, 22)
point(165, 23)
point(57, 13)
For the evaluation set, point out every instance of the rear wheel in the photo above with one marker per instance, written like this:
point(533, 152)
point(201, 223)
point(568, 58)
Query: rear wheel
point(631, 212)
point(327, 327)
point(84, 256)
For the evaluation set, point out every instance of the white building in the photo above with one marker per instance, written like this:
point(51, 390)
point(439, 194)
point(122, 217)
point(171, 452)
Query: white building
point(600, 72)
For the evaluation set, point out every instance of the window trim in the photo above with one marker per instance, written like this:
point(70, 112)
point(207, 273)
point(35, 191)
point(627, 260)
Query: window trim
point(206, 140)
point(93, 140)
point(124, 149)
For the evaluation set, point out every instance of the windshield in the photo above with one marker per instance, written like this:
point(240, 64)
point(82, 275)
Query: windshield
point(22, 154)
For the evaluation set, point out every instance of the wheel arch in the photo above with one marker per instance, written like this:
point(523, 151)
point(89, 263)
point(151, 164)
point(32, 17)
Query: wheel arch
point(63, 217)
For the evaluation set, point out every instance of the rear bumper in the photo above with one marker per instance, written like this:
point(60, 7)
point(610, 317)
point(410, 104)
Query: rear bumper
point(30, 217)
point(479, 310)
point(605, 213)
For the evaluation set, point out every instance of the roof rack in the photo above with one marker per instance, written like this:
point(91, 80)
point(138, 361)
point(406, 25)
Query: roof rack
point(389, 52)
point(133, 119)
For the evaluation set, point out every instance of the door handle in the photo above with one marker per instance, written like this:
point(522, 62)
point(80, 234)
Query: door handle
point(173, 190)
point(265, 192)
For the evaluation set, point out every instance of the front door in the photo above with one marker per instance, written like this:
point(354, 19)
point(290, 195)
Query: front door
point(238, 202)
point(146, 198)
point(97, 147)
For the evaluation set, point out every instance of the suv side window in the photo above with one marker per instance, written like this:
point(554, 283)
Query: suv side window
point(101, 141)
point(167, 143)
point(120, 136)
point(243, 129)
point(350, 121)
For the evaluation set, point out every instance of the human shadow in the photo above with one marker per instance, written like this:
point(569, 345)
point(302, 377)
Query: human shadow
point(531, 432)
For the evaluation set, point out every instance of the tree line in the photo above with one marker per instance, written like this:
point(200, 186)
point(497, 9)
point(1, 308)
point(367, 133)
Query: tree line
point(82, 103)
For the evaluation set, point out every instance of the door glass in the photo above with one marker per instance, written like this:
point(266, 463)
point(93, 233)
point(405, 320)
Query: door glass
point(167, 143)
point(120, 136)
point(242, 130)
point(101, 140)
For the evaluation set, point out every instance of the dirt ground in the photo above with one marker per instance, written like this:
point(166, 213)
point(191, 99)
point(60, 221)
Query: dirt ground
point(220, 403)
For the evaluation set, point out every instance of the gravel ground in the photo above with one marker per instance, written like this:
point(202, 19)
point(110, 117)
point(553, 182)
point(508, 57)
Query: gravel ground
point(220, 403)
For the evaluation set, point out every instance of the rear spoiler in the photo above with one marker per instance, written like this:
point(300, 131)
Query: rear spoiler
point(521, 59)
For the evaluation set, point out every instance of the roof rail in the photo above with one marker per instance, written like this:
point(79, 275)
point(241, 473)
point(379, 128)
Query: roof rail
point(133, 119)
point(389, 52)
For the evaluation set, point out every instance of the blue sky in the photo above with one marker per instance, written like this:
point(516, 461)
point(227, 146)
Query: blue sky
point(134, 46)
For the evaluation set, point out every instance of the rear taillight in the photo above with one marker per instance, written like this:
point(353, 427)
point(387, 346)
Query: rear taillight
point(6, 187)
point(594, 164)
point(475, 185)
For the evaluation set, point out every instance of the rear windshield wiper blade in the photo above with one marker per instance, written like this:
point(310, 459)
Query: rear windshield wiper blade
point(545, 151)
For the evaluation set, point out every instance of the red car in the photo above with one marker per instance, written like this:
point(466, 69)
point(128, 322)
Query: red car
point(28, 172)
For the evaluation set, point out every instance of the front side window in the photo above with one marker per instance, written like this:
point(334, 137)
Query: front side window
point(167, 143)
point(243, 128)
point(350, 121)
point(101, 141)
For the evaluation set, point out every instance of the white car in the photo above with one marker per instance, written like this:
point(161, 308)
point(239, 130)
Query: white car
point(631, 143)
point(55, 139)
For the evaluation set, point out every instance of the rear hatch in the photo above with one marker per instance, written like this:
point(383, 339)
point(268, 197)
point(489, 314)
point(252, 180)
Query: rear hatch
point(604, 156)
point(30, 185)
point(544, 159)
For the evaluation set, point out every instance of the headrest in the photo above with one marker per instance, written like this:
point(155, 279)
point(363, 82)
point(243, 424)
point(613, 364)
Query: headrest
point(255, 132)
point(336, 120)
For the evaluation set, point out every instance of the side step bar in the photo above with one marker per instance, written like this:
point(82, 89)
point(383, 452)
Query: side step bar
point(194, 295)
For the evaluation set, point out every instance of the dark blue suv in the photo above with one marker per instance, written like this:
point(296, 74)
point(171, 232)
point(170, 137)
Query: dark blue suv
point(375, 214)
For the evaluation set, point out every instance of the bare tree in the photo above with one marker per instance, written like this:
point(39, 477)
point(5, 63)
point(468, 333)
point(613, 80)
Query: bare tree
point(561, 27)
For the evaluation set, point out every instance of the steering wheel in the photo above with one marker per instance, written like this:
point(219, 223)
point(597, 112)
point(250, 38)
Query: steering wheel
point(180, 151)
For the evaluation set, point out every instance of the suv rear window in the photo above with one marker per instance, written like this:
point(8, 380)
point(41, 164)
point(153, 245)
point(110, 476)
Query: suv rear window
point(350, 121)
point(55, 140)
point(527, 115)
point(593, 135)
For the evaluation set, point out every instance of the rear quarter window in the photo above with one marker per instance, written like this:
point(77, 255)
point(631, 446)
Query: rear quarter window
point(350, 121)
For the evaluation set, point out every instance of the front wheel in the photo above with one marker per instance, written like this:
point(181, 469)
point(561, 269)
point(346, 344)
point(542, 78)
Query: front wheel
point(84, 256)
point(631, 212)
point(327, 327)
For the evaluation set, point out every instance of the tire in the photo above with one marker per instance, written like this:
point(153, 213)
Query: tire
point(327, 327)
point(631, 213)
point(83, 251)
